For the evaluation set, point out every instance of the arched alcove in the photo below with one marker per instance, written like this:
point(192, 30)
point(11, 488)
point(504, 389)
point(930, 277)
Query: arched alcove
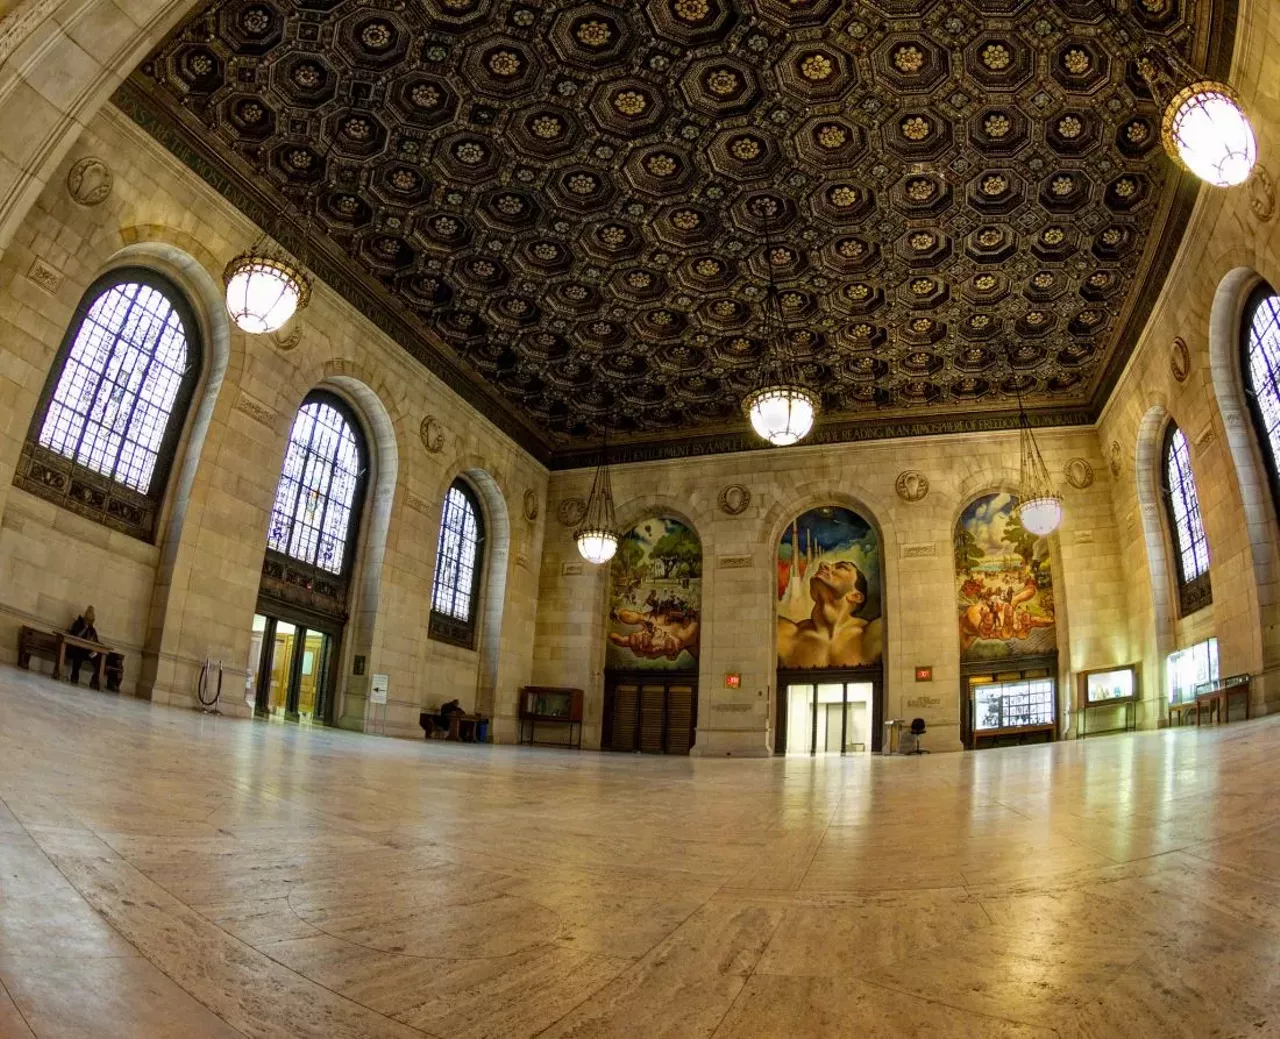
point(1161, 634)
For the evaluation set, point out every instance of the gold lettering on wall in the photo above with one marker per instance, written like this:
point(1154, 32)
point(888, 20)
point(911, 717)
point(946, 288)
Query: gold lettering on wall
point(256, 410)
point(734, 562)
point(920, 550)
point(44, 275)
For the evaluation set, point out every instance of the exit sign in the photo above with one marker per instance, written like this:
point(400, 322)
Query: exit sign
point(732, 680)
point(924, 674)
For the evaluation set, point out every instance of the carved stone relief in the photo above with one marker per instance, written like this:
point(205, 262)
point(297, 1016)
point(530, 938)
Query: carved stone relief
point(734, 499)
point(531, 505)
point(89, 181)
point(1113, 462)
point(432, 438)
point(571, 511)
point(1262, 193)
point(911, 485)
point(1079, 473)
point(1180, 359)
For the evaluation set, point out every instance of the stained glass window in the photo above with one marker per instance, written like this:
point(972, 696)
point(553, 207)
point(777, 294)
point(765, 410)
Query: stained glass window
point(313, 515)
point(454, 592)
point(1261, 371)
point(111, 408)
point(1191, 547)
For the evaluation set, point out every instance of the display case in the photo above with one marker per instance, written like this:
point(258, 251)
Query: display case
point(1108, 687)
point(1191, 667)
point(551, 705)
point(1112, 685)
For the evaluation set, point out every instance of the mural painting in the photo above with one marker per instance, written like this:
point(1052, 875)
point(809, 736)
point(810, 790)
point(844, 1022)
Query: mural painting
point(829, 591)
point(1004, 587)
point(655, 598)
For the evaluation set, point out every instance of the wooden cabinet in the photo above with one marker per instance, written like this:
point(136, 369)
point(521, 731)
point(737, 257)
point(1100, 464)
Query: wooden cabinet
point(556, 706)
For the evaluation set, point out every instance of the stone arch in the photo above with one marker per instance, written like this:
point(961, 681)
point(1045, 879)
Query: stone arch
point(811, 494)
point(499, 555)
point(1226, 333)
point(166, 254)
point(1005, 479)
point(1146, 471)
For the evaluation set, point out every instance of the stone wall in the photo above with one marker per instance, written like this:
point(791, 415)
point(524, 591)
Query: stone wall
point(739, 593)
point(192, 595)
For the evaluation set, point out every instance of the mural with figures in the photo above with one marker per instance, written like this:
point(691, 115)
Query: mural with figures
point(829, 591)
point(655, 598)
point(1004, 586)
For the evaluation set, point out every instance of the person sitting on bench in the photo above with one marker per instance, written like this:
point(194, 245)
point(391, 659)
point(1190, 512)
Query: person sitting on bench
point(444, 717)
point(82, 628)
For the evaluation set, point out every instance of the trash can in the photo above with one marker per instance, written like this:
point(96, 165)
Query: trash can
point(482, 731)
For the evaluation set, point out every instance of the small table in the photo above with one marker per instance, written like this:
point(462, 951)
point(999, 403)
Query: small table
point(1217, 699)
point(1130, 716)
point(1181, 709)
point(463, 728)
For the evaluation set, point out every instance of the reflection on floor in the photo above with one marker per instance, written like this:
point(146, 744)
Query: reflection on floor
point(167, 874)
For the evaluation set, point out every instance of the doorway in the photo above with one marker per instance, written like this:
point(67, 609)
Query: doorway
point(829, 717)
point(294, 669)
point(828, 711)
point(652, 714)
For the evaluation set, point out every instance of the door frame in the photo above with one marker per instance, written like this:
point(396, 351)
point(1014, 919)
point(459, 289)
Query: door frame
point(1046, 662)
point(612, 679)
point(826, 675)
point(303, 621)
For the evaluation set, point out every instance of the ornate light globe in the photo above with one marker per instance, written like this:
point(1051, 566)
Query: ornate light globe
point(782, 415)
point(264, 292)
point(596, 545)
point(1040, 515)
point(1206, 131)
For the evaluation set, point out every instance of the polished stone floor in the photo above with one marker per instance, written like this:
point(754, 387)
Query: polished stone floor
point(168, 874)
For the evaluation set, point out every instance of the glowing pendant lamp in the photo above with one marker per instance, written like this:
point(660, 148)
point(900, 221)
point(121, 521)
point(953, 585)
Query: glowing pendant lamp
point(264, 290)
point(781, 409)
point(597, 535)
point(1039, 507)
point(1204, 128)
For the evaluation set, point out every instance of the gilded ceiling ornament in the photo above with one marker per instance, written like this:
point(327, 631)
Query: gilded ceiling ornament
point(723, 82)
point(630, 102)
point(1042, 280)
point(994, 185)
point(908, 58)
point(376, 35)
point(997, 125)
point(432, 437)
point(661, 164)
point(996, 57)
point(686, 219)
point(1077, 62)
point(1053, 236)
point(832, 136)
point(1262, 193)
point(594, 33)
point(922, 286)
point(89, 181)
point(921, 189)
point(1079, 473)
point(1137, 132)
point(571, 511)
point(1180, 359)
point(1126, 188)
point(734, 499)
point(691, 10)
point(816, 67)
point(989, 237)
point(915, 128)
point(745, 148)
point(911, 485)
point(1112, 236)
point(531, 505)
point(979, 321)
point(1062, 185)
point(850, 248)
point(843, 195)
point(858, 291)
point(1070, 127)
point(922, 240)
point(504, 63)
point(984, 282)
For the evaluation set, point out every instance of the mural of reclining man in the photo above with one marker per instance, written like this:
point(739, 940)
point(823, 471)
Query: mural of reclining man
point(655, 598)
point(829, 608)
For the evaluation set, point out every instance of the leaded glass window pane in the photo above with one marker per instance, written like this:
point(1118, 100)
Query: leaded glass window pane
point(1182, 507)
point(311, 518)
point(1262, 370)
point(457, 558)
point(115, 396)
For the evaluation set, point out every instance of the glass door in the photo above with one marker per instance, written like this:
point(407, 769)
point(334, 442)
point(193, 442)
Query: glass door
point(312, 670)
point(293, 666)
point(829, 717)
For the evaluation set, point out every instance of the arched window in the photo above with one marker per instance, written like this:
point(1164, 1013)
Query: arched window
point(103, 439)
point(1260, 368)
point(318, 498)
point(455, 592)
point(1191, 547)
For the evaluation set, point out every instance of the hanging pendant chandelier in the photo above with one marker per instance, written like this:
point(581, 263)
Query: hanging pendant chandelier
point(1039, 507)
point(264, 290)
point(781, 409)
point(597, 535)
point(1204, 128)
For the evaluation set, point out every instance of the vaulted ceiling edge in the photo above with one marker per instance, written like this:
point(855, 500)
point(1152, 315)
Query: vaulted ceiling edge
point(556, 207)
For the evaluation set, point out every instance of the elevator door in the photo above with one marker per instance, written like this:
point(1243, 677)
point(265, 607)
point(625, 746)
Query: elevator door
point(651, 715)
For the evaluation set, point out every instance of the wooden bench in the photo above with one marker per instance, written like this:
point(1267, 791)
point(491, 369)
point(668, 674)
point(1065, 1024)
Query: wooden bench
point(53, 645)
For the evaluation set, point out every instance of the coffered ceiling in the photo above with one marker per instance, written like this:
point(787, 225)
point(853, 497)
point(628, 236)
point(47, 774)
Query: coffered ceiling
point(570, 210)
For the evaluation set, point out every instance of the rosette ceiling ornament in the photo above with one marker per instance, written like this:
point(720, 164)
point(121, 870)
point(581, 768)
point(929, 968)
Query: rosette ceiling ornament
point(556, 207)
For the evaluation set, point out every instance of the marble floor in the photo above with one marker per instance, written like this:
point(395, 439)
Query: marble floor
point(164, 873)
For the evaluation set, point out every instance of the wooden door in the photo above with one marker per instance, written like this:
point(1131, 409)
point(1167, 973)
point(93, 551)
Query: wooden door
point(650, 715)
point(626, 707)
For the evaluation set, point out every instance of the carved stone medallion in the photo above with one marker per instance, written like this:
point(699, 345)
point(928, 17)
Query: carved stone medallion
point(89, 181)
point(432, 438)
point(285, 343)
point(1079, 473)
point(1262, 193)
point(734, 499)
point(911, 485)
point(571, 511)
point(1180, 359)
point(1113, 463)
point(531, 505)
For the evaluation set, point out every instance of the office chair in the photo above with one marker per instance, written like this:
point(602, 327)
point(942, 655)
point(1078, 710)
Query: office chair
point(918, 730)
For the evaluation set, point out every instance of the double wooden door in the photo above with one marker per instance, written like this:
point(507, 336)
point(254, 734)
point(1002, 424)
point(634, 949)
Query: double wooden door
point(653, 714)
